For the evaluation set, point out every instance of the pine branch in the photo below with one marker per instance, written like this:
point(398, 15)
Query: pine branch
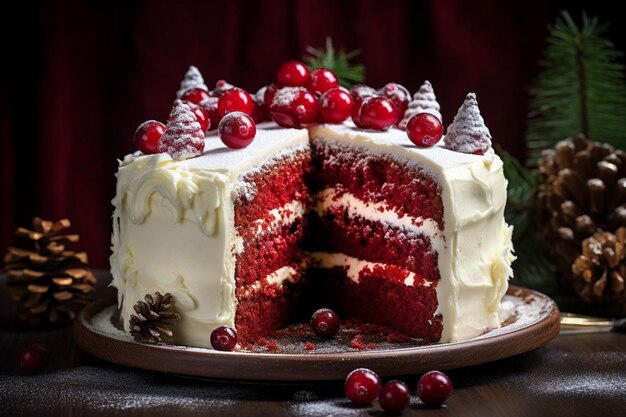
point(336, 61)
point(581, 88)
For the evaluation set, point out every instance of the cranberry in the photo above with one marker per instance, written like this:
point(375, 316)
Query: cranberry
point(210, 105)
point(293, 106)
point(394, 396)
point(336, 105)
point(34, 358)
point(325, 323)
point(270, 92)
point(398, 94)
point(147, 136)
point(237, 130)
point(362, 386)
point(224, 338)
point(220, 87)
point(233, 100)
point(202, 115)
point(321, 80)
point(195, 95)
point(377, 113)
point(292, 74)
point(424, 129)
point(361, 91)
point(434, 388)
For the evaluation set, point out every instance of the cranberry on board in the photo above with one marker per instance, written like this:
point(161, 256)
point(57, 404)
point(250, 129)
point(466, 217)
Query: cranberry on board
point(325, 323)
point(224, 339)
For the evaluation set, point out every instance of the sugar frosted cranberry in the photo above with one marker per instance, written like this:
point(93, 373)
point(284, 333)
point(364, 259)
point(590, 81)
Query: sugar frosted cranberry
point(270, 92)
point(292, 74)
point(335, 105)
point(237, 130)
point(362, 91)
point(398, 94)
point(362, 386)
point(195, 95)
point(394, 396)
point(259, 110)
point(202, 116)
point(424, 129)
point(147, 136)
point(293, 106)
point(434, 388)
point(325, 323)
point(234, 100)
point(377, 113)
point(34, 358)
point(224, 338)
point(220, 87)
point(210, 106)
point(321, 80)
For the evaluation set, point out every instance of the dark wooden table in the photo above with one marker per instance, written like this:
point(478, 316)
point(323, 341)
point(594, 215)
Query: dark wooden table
point(582, 375)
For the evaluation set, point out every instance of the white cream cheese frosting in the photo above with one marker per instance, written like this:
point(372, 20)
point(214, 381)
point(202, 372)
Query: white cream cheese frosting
point(173, 227)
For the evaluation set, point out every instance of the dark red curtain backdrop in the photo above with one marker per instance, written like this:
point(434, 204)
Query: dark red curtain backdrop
point(79, 76)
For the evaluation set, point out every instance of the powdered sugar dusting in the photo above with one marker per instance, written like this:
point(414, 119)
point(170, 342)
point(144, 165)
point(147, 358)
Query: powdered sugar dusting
point(193, 79)
point(468, 133)
point(183, 137)
point(424, 101)
point(286, 95)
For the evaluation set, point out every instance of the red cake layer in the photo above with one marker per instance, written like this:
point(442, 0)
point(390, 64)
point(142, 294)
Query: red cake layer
point(268, 252)
point(358, 237)
point(375, 178)
point(265, 310)
point(377, 299)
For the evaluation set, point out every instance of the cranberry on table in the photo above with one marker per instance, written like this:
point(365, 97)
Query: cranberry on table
point(335, 105)
point(321, 80)
point(224, 338)
point(202, 116)
point(195, 95)
point(292, 74)
point(235, 99)
point(237, 130)
point(424, 129)
point(394, 396)
point(34, 358)
point(325, 323)
point(147, 136)
point(434, 388)
point(377, 113)
point(362, 386)
point(293, 106)
point(398, 94)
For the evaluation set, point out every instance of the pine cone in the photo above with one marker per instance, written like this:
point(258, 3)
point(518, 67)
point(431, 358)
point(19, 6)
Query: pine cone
point(582, 191)
point(153, 318)
point(47, 282)
point(600, 270)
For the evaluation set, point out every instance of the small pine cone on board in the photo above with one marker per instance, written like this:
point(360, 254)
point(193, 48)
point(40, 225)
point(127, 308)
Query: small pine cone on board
point(153, 318)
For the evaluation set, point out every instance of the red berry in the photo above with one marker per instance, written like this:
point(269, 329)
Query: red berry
point(195, 95)
point(220, 87)
point(34, 358)
point(202, 115)
point(362, 386)
point(336, 105)
point(321, 80)
point(210, 106)
point(398, 94)
point(377, 113)
point(434, 388)
point(224, 338)
point(394, 396)
point(362, 91)
point(293, 106)
point(270, 92)
point(237, 130)
point(259, 111)
point(292, 74)
point(147, 136)
point(233, 100)
point(325, 323)
point(424, 129)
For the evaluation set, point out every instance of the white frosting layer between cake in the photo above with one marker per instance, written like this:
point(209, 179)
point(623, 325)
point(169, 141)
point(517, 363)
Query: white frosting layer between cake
point(475, 261)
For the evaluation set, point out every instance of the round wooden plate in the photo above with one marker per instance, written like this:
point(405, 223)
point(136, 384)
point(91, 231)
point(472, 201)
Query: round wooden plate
point(533, 323)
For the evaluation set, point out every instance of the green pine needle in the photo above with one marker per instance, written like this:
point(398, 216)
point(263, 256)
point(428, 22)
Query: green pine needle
point(336, 61)
point(581, 88)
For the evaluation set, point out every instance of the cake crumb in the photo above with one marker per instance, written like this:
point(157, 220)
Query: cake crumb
point(357, 342)
point(271, 345)
point(262, 342)
point(371, 346)
point(309, 345)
